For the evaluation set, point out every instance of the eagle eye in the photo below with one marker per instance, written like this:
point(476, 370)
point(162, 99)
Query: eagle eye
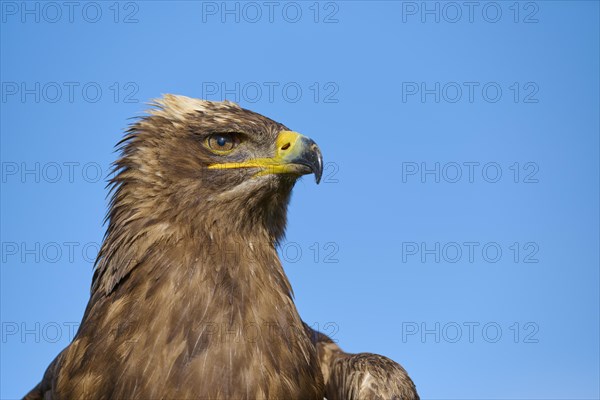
point(222, 143)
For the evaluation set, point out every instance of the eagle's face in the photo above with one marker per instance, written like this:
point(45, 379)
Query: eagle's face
point(199, 155)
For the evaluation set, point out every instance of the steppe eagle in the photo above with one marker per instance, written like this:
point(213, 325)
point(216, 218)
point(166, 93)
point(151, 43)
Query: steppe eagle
point(189, 299)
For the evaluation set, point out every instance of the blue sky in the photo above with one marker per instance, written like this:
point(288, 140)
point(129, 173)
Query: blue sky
point(456, 229)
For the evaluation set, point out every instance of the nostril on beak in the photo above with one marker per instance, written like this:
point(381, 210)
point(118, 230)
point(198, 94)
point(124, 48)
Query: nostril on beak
point(285, 146)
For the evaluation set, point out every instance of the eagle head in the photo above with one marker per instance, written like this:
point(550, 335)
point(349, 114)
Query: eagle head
point(194, 167)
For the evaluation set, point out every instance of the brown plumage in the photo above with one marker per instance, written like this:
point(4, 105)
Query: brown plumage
point(189, 299)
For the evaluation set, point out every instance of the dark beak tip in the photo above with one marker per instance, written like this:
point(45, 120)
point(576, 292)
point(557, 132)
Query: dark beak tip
point(312, 158)
point(319, 169)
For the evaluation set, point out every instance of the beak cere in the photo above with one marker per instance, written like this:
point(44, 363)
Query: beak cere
point(294, 154)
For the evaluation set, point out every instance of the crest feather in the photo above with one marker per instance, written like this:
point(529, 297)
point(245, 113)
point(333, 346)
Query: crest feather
point(178, 107)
